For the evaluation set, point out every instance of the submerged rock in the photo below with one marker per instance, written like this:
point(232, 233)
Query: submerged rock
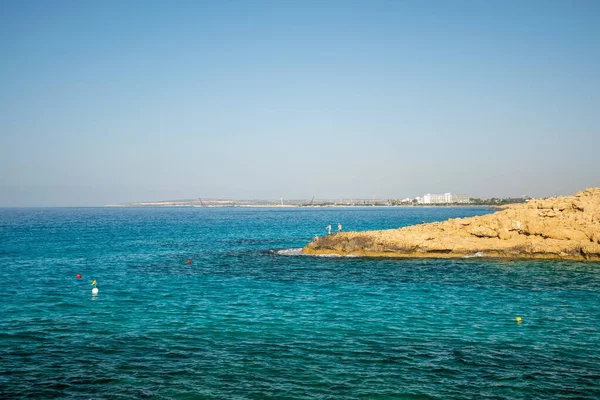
point(560, 227)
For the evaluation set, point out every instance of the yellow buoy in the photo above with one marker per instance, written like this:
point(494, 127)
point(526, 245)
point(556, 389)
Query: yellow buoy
point(519, 320)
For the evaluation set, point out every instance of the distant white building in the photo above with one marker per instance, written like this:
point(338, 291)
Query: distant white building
point(461, 198)
point(446, 198)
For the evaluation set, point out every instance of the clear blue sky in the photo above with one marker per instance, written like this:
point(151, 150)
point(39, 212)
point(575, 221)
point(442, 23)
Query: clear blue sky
point(116, 101)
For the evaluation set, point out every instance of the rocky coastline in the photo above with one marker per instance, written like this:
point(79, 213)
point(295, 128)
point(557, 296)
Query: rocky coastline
point(556, 228)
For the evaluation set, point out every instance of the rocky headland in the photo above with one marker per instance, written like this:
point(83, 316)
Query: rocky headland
point(555, 228)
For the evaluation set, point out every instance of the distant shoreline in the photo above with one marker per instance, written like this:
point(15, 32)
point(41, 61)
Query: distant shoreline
point(298, 206)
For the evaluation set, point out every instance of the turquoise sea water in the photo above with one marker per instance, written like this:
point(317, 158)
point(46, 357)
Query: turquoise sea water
point(246, 321)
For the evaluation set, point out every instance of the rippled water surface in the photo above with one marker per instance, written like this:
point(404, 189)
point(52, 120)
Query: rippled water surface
point(247, 320)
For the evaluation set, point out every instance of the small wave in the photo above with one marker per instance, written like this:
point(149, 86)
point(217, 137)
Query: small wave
point(298, 252)
point(290, 252)
point(478, 254)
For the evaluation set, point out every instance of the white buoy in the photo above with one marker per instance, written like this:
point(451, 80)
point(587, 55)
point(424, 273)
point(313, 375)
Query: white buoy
point(95, 291)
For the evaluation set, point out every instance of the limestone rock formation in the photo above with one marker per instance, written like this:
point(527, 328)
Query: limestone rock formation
point(559, 227)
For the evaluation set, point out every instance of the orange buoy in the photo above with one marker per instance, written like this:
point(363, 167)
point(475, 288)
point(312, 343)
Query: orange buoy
point(78, 276)
point(189, 261)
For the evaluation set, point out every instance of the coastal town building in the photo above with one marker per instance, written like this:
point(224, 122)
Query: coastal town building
point(460, 198)
point(446, 198)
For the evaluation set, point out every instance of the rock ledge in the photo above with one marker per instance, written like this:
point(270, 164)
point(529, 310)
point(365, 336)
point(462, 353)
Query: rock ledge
point(555, 228)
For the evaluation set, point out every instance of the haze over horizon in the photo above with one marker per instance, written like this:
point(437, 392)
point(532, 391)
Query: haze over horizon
point(115, 102)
